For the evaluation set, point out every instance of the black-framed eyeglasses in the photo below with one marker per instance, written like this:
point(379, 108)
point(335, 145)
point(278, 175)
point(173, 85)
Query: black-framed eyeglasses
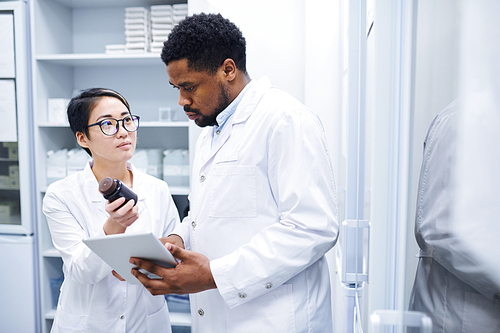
point(109, 126)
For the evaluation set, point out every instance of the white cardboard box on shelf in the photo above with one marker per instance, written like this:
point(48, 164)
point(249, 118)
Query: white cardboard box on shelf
point(56, 110)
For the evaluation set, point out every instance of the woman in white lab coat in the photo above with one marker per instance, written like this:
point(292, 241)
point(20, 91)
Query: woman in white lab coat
point(93, 298)
point(449, 286)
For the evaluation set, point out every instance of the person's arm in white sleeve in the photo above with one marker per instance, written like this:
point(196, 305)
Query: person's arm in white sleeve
point(181, 231)
point(173, 230)
point(83, 266)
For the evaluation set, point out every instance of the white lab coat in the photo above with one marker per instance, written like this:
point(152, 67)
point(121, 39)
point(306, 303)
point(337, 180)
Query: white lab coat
point(263, 209)
point(449, 287)
point(92, 299)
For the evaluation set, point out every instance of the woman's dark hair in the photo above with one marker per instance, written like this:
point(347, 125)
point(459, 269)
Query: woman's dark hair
point(206, 41)
point(80, 106)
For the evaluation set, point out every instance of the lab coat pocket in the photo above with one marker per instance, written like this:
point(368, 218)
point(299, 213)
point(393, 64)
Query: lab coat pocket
point(233, 192)
point(160, 320)
point(271, 312)
point(480, 314)
point(227, 156)
point(71, 323)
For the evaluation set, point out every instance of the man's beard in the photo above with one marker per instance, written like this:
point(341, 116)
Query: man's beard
point(211, 120)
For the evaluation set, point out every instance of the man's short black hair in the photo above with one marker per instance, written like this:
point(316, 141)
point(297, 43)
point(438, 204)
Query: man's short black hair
point(206, 41)
point(80, 106)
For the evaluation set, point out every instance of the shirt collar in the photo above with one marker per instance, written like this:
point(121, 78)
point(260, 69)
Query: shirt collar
point(230, 109)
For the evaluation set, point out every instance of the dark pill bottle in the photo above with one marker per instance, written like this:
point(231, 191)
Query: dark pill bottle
point(113, 189)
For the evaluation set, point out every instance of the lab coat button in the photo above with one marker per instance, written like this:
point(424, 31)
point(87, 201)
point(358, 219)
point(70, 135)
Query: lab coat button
point(201, 312)
point(202, 178)
point(497, 295)
point(217, 132)
point(242, 295)
point(269, 286)
point(193, 224)
point(122, 316)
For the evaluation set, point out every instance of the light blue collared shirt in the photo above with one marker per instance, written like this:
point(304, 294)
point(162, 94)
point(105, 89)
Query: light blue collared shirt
point(227, 113)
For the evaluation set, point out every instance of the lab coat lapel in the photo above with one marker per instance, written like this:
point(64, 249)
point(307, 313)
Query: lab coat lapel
point(205, 145)
point(92, 188)
point(242, 113)
point(138, 187)
point(224, 136)
point(207, 152)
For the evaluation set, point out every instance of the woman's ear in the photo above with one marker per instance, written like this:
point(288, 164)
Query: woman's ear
point(82, 139)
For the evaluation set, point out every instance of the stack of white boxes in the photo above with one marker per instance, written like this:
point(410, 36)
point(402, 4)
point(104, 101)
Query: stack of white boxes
point(180, 12)
point(163, 19)
point(147, 30)
point(137, 30)
point(162, 22)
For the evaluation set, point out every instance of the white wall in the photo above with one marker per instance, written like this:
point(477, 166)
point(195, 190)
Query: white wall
point(322, 67)
point(296, 44)
point(275, 36)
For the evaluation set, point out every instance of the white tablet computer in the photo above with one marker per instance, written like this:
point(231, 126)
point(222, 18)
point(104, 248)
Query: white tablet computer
point(116, 250)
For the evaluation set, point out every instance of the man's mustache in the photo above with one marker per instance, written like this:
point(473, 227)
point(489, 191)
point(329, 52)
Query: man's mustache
point(190, 110)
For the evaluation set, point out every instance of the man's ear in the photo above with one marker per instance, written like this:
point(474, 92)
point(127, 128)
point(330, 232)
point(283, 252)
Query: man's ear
point(229, 69)
point(82, 139)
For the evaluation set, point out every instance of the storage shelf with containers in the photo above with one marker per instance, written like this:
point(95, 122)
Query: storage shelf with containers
point(79, 44)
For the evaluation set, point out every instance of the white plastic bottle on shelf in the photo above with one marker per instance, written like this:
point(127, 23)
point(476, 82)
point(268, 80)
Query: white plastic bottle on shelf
point(140, 160)
point(155, 162)
point(55, 165)
point(172, 167)
point(77, 160)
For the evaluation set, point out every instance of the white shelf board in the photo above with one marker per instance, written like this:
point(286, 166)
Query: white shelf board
point(179, 190)
point(164, 124)
point(114, 3)
point(180, 319)
point(51, 253)
point(50, 314)
point(102, 59)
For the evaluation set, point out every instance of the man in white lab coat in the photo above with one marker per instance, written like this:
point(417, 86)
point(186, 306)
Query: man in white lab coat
point(449, 285)
point(263, 208)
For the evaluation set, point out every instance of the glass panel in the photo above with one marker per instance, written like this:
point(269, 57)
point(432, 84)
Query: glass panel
point(9, 184)
point(9, 157)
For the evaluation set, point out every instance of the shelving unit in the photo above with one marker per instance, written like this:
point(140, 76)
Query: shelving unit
point(68, 46)
point(15, 111)
point(17, 202)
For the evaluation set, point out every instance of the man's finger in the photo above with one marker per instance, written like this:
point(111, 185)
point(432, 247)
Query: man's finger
point(154, 286)
point(177, 252)
point(144, 264)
